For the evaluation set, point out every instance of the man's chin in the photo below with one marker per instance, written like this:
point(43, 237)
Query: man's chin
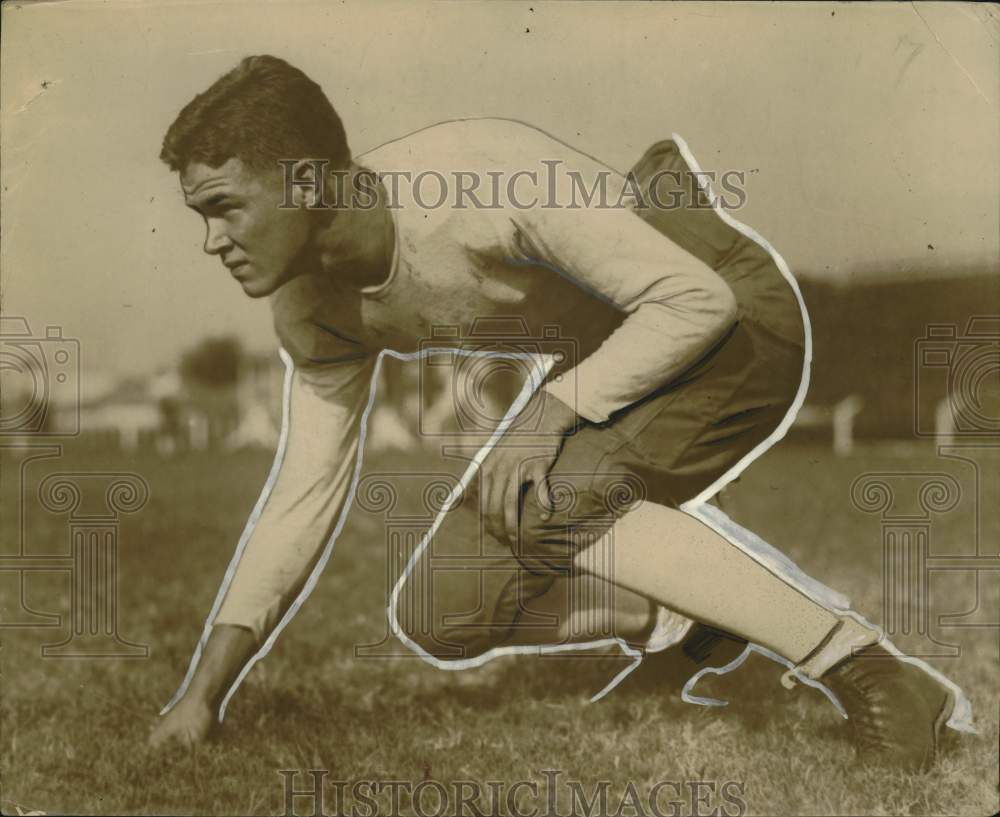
point(256, 289)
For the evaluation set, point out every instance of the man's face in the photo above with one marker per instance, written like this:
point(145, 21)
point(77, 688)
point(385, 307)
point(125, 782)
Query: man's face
point(260, 243)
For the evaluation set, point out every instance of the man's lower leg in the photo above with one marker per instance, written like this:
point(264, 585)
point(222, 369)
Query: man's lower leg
point(678, 561)
point(896, 710)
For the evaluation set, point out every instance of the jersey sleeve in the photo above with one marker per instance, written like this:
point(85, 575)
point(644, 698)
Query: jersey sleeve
point(324, 412)
point(678, 307)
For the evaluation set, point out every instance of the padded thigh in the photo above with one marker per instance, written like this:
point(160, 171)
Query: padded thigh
point(763, 294)
point(669, 187)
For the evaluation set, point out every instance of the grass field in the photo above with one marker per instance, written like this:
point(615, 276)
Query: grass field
point(73, 731)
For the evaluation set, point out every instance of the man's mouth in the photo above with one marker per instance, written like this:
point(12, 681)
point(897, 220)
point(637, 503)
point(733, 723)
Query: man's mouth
point(235, 265)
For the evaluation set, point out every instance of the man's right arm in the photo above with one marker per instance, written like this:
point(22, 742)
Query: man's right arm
point(323, 421)
point(324, 426)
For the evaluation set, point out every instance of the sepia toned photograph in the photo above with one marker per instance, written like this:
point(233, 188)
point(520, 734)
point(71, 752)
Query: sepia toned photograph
point(550, 409)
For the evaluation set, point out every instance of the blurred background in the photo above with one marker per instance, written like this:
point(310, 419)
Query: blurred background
point(913, 363)
point(868, 139)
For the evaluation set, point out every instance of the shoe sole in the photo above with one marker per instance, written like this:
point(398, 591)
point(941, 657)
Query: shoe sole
point(943, 737)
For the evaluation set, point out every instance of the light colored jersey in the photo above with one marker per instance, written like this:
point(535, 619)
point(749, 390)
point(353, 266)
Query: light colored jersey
point(634, 309)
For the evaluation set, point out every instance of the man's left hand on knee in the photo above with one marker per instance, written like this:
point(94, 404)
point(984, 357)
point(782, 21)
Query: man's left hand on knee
point(509, 467)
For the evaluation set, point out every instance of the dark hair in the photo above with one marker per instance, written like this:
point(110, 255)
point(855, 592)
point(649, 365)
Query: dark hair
point(261, 111)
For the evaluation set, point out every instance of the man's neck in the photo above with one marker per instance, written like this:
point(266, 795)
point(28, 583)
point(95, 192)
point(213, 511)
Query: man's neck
point(357, 245)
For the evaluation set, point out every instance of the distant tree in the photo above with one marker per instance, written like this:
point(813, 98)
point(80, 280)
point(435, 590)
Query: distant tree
point(214, 362)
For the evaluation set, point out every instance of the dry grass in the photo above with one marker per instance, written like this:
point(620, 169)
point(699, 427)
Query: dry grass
point(73, 731)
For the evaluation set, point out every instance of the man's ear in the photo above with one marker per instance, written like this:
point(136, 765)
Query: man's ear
point(305, 183)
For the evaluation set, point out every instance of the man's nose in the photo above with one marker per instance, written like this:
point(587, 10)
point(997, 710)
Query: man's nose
point(216, 239)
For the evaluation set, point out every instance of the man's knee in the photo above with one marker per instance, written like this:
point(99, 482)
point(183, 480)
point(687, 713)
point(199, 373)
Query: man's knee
point(548, 538)
point(444, 625)
point(446, 646)
point(504, 610)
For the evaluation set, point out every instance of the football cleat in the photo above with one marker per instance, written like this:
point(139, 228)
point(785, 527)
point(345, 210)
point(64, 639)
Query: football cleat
point(896, 711)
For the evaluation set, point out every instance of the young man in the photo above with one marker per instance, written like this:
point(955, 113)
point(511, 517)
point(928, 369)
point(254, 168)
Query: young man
point(687, 353)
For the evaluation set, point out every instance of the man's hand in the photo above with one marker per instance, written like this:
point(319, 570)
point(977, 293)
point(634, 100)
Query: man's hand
point(189, 723)
point(506, 470)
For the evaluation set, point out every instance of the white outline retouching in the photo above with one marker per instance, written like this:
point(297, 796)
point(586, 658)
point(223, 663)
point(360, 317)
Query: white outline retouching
point(697, 507)
point(766, 555)
point(534, 381)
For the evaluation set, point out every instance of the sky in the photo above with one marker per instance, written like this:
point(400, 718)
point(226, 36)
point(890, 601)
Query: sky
point(868, 132)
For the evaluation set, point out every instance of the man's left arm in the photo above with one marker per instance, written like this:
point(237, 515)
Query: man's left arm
point(678, 307)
